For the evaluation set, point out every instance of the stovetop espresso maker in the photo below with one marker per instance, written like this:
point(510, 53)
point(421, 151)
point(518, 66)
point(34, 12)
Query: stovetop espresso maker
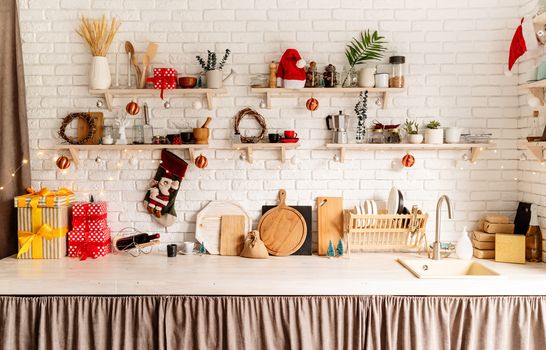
point(338, 123)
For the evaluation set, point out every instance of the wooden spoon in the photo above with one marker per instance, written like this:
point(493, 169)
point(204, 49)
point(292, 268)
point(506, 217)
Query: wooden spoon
point(152, 50)
point(145, 63)
point(129, 48)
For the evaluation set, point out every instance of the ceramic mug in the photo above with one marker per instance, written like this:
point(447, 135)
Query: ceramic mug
point(188, 247)
point(381, 80)
point(274, 138)
point(290, 134)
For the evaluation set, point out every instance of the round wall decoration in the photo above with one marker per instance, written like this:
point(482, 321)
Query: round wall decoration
point(66, 122)
point(408, 160)
point(201, 162)
point(312, 104)
point(63, 162)
point(249, 112)
point(132, 108)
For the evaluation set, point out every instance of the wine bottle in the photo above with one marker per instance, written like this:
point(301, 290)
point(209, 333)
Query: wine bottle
point(130, 242)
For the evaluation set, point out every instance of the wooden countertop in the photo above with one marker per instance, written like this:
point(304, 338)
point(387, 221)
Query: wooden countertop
point(155, 274)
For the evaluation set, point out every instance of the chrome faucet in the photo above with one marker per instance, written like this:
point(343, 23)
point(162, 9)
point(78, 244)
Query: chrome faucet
point(436, 245)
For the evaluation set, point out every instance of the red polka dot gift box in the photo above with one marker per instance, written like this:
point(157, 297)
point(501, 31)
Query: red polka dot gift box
point(164, 78)
point(90, 235)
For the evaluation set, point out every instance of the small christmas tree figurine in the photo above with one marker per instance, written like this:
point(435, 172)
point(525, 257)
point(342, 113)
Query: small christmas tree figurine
point(339, 248)
point(202, 249)
point(330, 252)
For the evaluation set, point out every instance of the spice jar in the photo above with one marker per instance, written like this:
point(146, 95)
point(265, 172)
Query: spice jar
point(397, 79)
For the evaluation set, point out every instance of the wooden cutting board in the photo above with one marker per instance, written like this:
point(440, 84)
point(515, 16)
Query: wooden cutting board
point(232, 234)
point(83, 128)
point(282, 229)
point(307, 212)
point(329, 222)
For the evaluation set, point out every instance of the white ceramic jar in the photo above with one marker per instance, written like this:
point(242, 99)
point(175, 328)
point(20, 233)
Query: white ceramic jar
point(434, 136)
point(99, 74)
point(381, 80)
point(453, 135)
point(366, 77)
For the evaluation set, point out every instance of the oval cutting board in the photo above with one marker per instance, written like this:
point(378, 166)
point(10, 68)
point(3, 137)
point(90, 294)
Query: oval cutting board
point(208, 223)
point(282, 229)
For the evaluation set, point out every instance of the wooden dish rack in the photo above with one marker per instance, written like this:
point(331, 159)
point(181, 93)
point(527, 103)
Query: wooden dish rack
point(385, 232)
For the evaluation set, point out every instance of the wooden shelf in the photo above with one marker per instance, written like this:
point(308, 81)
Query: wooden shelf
point(250, 147)
point(475, 148)
point(537, 148)
point(540, 19)
point(109, 94)
point(272, 92)
point(75, 149)
point(536, 88)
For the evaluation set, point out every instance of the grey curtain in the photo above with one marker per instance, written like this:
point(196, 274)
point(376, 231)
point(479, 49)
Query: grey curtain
point(314, 322)
point(13, 124)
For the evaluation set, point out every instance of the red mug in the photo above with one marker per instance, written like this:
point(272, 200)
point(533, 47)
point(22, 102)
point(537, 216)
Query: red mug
point(290, 134)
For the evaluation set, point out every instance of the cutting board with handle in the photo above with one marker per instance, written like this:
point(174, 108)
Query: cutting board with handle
point(83, 128)
point(329, 222)
point(232, 234)
point(305, 211)
point(282, 229)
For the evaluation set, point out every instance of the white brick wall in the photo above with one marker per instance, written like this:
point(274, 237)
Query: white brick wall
point(456, 53)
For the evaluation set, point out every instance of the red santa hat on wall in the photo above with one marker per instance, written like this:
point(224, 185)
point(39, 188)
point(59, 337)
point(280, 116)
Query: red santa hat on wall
point(525, 39)
point(291, 70)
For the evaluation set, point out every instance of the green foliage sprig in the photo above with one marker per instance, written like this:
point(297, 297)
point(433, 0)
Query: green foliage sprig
point(210, 63)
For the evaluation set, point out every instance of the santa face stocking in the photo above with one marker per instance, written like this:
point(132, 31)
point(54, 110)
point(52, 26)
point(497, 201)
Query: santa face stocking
point(161, 195)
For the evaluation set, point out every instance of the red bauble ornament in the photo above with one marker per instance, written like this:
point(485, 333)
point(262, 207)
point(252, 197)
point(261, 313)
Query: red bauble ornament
point(201, 162)
point(132, 108)
point(63, 162)
point(408, 160)
point(312, 104)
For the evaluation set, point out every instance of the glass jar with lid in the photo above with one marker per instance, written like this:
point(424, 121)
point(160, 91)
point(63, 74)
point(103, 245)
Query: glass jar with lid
point(397, 79)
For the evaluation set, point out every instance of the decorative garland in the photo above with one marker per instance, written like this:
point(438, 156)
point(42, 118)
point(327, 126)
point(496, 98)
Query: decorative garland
point(249, 112)
point(83, 116)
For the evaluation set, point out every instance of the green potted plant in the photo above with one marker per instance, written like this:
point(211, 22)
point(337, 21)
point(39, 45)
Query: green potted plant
point(411, 127)
point(434, 134)
point(370, 46)
point(213, 69)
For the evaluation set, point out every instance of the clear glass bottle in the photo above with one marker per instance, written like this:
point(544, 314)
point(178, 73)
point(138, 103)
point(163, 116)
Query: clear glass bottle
point(138, 135)
point(107, 135)
point(398, 65)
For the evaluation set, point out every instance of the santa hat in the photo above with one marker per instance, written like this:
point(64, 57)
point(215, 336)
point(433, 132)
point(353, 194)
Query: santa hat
point(291, 70)
point(524, 40)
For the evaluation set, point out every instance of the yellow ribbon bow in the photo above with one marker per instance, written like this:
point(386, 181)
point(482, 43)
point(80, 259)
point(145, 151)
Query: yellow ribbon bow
point(44, 192)
point(28, 239)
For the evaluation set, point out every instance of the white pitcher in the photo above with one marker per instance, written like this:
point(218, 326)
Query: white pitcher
point(214, 78)
point(99, 74)
point(366, 77)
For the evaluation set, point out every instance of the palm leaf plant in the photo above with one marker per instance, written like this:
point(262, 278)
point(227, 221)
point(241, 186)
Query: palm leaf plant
point(369, 47)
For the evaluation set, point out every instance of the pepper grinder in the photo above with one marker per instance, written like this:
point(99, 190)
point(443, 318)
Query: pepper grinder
point(272, 75)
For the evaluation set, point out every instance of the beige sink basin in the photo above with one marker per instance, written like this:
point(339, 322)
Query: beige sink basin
point(447, 268)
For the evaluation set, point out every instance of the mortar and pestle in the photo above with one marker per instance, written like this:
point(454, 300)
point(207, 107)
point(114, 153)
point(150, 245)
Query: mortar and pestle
point(201, 135)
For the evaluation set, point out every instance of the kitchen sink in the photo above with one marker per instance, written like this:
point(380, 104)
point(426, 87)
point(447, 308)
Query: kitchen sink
point(447, 268)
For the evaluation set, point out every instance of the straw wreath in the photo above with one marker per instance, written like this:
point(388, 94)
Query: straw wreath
point(98, 34)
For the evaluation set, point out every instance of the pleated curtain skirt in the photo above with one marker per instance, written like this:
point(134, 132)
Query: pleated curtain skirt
point(307, 322)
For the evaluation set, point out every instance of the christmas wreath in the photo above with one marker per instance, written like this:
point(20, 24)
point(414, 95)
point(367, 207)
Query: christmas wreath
point(249, 112)
point(86, 117)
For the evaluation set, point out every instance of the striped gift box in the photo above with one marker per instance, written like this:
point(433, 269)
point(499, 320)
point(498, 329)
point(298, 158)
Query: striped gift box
point(56, 218)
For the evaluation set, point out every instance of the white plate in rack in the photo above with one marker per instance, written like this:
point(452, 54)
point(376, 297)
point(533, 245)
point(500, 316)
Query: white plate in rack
point(394, 201)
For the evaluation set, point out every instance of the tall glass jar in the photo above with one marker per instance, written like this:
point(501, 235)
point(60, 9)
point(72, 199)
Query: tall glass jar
point(397, 79)
point(138, 135)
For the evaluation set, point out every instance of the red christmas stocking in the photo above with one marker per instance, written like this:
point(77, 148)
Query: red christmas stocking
point(161, 196)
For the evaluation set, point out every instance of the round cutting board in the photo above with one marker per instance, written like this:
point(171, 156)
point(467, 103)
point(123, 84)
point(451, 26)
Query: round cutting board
point(282, 229)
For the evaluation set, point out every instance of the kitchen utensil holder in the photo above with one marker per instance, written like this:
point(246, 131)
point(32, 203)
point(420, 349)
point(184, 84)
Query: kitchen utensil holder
point(385, 232)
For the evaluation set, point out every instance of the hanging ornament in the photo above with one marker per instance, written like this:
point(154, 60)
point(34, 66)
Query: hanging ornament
point(167, 104)
point(263, 105)
point(197, 105)
point(201, 162)
point(408, 160)
point(312, 104)
point(100, 104)
point(63, 162)
point(132, 108)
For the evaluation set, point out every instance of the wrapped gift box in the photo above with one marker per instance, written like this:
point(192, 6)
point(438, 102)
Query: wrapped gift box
point(164, 78)
point(42, 218)
point(90, 235)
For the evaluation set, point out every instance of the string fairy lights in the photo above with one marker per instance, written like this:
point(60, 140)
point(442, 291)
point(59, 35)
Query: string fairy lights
point(13, 173)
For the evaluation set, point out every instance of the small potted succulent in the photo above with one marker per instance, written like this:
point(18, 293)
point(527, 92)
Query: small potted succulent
point(213, 69)
point(411, 127)
point(434, 134)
